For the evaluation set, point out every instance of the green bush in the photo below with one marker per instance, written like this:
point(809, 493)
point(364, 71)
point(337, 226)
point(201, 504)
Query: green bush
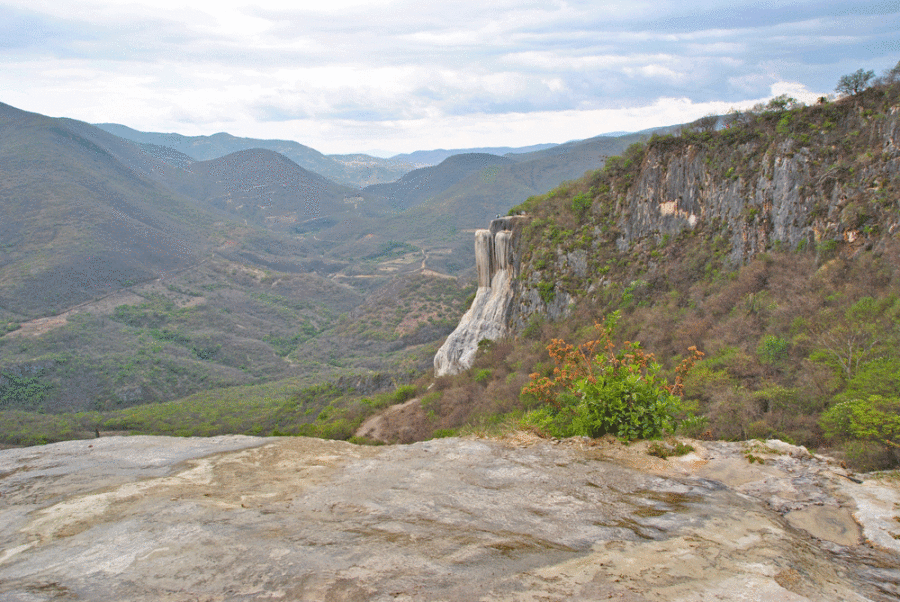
point(630, 405)
point(667, 450)
point(875, 419)
point(547, 291)
point(404, 393)
point(23, 392)
point(581, 203)
point(772, 350)
point(597, 390)
point(483, 375)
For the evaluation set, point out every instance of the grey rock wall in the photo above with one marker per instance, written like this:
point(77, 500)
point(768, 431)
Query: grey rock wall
point(790, 195)
point(768, 192)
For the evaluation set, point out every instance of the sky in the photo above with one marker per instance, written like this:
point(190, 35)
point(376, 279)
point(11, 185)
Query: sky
point(394, 76)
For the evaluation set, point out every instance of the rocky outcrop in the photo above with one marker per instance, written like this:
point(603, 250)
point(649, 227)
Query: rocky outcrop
point(245, 518)
point(823, 179)
point(820, 179)
point(489, 316)
point(790, 192)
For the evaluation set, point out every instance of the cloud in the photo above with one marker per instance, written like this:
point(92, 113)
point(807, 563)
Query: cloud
point(352, 74)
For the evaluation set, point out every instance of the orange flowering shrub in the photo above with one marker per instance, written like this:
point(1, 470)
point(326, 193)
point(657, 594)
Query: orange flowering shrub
point(597, 390)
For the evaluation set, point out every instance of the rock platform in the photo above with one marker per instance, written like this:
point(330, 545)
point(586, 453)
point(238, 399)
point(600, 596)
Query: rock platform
point(522, 518)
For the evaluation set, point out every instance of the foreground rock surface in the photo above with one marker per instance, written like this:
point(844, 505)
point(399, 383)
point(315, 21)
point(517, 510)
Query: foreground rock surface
point(240, 518)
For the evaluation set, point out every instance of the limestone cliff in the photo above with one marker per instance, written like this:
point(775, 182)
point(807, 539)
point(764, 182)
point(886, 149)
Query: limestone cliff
point(488, 317)
point(789, 190)
point(822, 179)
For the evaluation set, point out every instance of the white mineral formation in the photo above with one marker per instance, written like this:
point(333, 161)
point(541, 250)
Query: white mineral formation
point(488, 318)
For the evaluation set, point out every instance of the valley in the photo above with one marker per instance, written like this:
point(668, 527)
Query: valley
point(133, 274)
point(450, 302)
point(196, 290)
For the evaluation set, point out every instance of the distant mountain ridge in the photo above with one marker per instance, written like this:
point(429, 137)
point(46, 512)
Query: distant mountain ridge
point(349, 170)
point(434, 157)
point(424, 183)
point(468, 189)
point(268, 188)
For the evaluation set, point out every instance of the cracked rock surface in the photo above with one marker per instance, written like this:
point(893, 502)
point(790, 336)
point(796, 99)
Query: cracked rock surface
point(242, 518)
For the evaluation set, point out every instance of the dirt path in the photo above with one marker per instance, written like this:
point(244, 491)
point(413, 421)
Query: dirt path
point(397, 423)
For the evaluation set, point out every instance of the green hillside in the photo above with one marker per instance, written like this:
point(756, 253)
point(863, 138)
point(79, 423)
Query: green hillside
point(78, 223)
point(130, 276)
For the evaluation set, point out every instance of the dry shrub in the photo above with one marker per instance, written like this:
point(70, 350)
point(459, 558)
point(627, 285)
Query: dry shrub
point(750, 280)
point(503, 394)
point(731, 412)
point(738, 330)
point(457, 403)
point(816, 380)
point(867, 456)
point(655, 327)
point(692, 330)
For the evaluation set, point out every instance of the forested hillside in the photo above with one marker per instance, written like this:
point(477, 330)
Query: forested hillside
point(768, 242)
point(134, 276)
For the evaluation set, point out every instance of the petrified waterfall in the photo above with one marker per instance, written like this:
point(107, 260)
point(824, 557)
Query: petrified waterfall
point(488, 318)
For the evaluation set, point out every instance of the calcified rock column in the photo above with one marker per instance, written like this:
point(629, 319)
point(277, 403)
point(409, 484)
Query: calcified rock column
point(488, 318)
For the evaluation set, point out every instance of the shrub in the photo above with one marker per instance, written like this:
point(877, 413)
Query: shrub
point(694, 426)
point(404, 393)
point(597, 390)
point(23, 391)
point(667, 450)
point(875, 419)
point(782, 102)
point(772, 350)
point(581, 203)
point(483, 375)
point(547, 292)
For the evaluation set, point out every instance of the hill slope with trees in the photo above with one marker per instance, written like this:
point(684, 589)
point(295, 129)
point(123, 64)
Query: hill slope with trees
point(770, 244)
point(766, 239)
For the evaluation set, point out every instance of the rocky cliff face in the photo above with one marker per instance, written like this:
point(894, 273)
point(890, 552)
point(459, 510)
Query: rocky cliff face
point(823, 179)
point(791, 191)
point(488, 317)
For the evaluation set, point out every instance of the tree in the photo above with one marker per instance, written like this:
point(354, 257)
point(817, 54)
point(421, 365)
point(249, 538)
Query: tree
point(707, 123)
point(890, 76)
point(782, 102)
point(849, 338)
point(854, 83)
point(874, 419)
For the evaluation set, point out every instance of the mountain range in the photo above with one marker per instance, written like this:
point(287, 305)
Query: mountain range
point(144, 290)
point(139, 267)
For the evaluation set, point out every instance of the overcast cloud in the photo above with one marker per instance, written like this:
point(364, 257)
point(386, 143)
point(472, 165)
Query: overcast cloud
point(395, 75)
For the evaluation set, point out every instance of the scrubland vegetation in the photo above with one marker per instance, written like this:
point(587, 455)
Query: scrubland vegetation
point(800, 339)
point(800, 343)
